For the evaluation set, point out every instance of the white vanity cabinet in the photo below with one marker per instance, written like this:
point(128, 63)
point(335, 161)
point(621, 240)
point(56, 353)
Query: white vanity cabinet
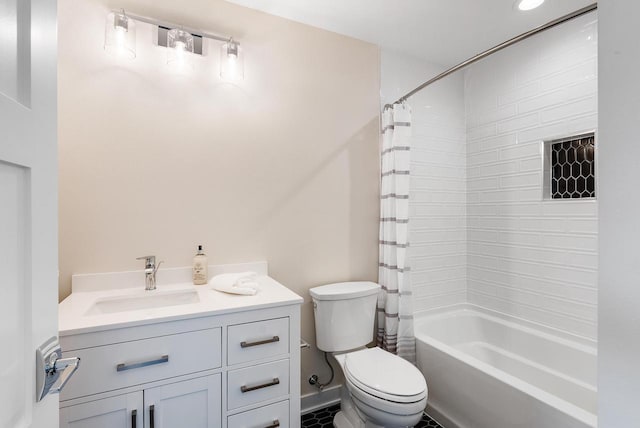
point(236, 369)
point(189, 403)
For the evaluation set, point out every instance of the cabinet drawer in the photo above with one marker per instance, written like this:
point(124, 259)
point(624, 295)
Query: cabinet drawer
point(271, 416)
point(258, 383)
point(256, 340)
point(109, 367)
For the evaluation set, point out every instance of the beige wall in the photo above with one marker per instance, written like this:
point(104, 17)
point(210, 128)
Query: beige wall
point(283, 168)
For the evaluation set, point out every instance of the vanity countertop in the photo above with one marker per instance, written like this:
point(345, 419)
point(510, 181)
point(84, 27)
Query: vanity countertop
point(75, 312)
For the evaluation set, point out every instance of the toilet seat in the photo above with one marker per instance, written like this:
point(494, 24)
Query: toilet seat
point(380, 409)
point(383, 375)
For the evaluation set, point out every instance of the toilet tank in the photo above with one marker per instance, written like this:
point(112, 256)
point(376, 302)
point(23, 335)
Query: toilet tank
point(344, 314)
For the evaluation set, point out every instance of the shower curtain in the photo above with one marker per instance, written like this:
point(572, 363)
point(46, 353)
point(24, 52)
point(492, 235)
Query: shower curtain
point(395, 309)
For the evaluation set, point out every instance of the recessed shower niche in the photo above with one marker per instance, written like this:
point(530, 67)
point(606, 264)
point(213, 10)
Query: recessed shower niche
point(569, 167)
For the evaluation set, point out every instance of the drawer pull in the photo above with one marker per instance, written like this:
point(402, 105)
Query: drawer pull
point(245, 388)
point(134, 418)
point(152, 416)
point(122, 366)
point(259, 342)
point(275, 424)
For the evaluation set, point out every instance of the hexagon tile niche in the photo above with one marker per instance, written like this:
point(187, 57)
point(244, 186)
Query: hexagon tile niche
point(573, 168)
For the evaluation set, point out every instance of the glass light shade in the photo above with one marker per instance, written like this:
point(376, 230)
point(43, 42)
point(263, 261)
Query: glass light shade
point(120, 35)
point(231, 62)
point(529, 4)
point(180, 48)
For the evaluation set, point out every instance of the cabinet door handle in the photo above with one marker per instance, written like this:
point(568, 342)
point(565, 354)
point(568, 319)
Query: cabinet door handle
point(275, 424)
point(245, 388)
point(134, 418)
point(152, 417)
point(122, 366)
point(259, 342)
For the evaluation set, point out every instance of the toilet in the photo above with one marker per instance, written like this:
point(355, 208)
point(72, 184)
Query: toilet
point(381, 389)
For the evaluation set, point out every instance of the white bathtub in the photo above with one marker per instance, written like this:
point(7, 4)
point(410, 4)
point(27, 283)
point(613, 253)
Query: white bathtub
point(485, 370)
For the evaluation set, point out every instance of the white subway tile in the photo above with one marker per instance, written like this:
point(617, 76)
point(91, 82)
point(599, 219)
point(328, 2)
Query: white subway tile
point(543, 224)
point(498, 169)
point(567, 241)
point(572, 109)
point(483, 184)
point(520, 238)
point(542, 133)
point(482, 235)
point(490, 116)
point(482, 158)
point(419, 276)
point(520, 151)
point(519, 93)
point(499, 141)
point(435, 223)
point(529, 209)
point(570, 208)
point(582, 124)
point(480, 132)
point(579, 73)
point(518, 123)
point(521, 180)
point(434, 249)
point(487, 210)
point(582, 225)
point(543, 101)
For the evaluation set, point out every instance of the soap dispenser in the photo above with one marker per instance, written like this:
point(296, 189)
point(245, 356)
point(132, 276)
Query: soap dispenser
point(200, 271)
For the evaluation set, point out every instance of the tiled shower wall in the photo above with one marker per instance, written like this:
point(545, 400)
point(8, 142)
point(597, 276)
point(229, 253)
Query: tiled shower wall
point(438, 180)
point(529, 257)
point(480, 229)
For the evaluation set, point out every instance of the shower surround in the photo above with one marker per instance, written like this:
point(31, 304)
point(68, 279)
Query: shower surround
point(481, 231)
point(504, 278)
point(531, 258)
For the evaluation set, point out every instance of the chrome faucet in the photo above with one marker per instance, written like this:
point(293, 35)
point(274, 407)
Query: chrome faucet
point(150, 269)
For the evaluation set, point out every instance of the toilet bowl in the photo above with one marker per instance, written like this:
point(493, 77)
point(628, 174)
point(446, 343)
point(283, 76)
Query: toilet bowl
point(384, 390)
point(381, 389)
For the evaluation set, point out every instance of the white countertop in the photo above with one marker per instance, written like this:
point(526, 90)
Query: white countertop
point(73, 316)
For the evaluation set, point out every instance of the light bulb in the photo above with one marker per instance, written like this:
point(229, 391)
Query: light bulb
point(120, 35)
point(231, 67)
point(180, 44)
point(119, 38)
point(233, 64)
point(525, 5)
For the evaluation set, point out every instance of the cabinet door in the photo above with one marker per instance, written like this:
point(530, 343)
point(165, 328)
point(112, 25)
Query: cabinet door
point(195, 403)
point(122, 411)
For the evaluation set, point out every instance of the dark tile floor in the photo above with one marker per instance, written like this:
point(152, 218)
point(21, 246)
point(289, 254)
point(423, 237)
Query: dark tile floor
point(323, 418)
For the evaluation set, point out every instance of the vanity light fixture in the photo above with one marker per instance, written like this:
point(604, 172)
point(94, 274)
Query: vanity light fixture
point(181, 43)
point(525, 5)
point(231, 62)
point(180, 48)
point(120, 35)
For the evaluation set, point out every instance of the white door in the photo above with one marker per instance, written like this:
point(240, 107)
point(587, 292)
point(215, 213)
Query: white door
point(28, 206)
point(192, 403)
point(121, 411)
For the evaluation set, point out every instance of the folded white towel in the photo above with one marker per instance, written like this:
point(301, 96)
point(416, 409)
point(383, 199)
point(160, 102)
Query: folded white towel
point(236, 283)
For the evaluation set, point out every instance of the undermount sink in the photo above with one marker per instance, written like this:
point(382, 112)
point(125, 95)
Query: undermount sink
point(148, 300)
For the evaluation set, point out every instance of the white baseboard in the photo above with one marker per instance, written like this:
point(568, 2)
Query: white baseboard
point(318, 400)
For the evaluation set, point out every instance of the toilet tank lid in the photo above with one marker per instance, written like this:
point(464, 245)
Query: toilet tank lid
point(344, 290)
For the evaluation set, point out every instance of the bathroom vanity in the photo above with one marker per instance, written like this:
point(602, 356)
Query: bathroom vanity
point(181, 355)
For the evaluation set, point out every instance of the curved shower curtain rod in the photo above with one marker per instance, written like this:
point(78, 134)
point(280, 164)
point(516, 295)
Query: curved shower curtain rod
point(497, 48)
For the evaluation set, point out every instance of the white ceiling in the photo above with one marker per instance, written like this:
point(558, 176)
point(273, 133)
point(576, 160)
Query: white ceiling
point(441, 31)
